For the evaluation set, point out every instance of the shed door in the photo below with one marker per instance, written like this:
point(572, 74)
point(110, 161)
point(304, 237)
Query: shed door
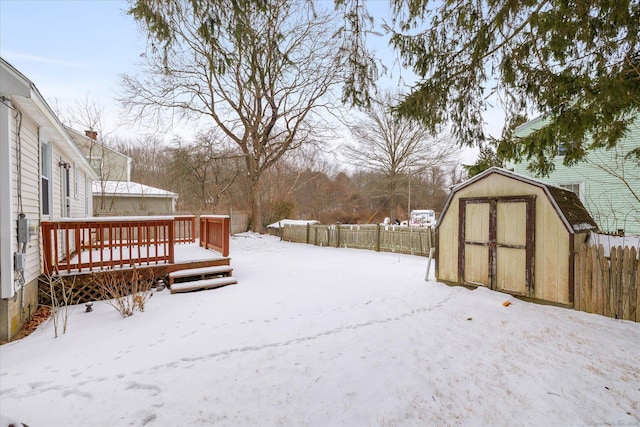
point(497, 243)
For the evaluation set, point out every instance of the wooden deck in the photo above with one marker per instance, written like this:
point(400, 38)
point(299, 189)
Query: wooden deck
point(153, 247)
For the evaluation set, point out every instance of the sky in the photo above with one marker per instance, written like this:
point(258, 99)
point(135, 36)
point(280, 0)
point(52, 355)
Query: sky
point(322, 336)
point(74, 51)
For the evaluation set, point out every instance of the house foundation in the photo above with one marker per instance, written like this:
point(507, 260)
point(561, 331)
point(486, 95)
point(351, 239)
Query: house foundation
point(16, 311)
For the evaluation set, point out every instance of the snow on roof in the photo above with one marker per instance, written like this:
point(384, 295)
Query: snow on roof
point(129, 188)
point(284, 222)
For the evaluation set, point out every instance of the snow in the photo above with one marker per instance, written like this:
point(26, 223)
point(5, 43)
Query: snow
point(284, 222)
point(129, 188)
point(608, 241)
point(315, 336)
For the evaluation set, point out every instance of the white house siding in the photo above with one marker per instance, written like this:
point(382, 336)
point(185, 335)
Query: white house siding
point(30, 193)
point(25, 199)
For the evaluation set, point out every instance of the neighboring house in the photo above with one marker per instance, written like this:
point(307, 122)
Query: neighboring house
point(110, 164)
point(607, 184)
point(43, 176)
point(114, 193)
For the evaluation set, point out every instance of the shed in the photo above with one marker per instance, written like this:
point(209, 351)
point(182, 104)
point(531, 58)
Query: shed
point(513, 234)
point(131, 198)
point(274, 229)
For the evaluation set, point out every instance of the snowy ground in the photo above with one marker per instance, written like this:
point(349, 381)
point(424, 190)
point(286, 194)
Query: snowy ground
point(326, 337)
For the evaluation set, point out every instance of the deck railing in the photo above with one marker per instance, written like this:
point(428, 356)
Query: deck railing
point(214, 233)
point(86, 244)
point(185, 228)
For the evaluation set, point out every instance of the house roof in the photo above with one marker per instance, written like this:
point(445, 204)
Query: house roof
point(82, 139)
point(129, 189)
point(566, 203)
point(284, 222)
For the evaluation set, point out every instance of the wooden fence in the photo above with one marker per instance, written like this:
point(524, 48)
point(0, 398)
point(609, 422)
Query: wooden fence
point(608, 285)
point(381, 238)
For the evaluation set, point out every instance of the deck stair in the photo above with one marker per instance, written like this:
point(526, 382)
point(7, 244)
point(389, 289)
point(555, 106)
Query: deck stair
point(195, 279)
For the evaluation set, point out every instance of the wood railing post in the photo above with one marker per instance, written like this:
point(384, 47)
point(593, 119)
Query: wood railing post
point(171, 242)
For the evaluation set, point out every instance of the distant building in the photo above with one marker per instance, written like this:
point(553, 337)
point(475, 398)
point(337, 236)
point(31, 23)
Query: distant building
point(131, 198)
point(114, 193)
point(274, 228)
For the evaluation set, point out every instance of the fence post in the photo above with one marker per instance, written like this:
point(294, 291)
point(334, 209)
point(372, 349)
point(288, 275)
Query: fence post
point(337, 234)
point(378, 237)
point(635, 288)
point(308, 231)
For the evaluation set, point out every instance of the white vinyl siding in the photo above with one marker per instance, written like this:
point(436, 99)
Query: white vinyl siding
point(30, 193)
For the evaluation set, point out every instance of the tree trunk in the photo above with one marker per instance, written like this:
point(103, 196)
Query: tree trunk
point(256, 206)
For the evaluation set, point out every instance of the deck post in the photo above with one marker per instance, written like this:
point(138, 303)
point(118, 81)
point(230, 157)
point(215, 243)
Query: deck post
point(172, 242)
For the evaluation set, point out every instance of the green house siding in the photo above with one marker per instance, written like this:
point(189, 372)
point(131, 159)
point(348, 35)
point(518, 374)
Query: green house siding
point(608, 185)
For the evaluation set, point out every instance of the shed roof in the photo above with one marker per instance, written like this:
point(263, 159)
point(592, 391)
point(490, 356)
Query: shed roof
point(566, 203)
point(129, 189)
point(284, 222)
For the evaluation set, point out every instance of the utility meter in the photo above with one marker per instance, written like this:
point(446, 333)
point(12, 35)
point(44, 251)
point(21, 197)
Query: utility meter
point(23, 229)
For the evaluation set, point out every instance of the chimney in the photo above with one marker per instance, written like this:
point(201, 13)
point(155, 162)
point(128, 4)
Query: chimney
point(91, 134)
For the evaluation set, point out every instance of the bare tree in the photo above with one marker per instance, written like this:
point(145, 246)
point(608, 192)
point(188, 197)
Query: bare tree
point(395, 146)
point(203, 171)
point(260, 72)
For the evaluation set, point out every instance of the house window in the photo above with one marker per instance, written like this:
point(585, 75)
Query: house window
point(96, 163)
point(87, 194)
point(65, 189)
point(562, 149)
point(75, 182)
point(574, 187)
point(45, 178)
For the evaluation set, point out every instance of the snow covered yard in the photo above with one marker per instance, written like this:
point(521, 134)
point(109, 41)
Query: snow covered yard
point(326, 337)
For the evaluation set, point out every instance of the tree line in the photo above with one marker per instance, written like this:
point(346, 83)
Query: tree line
point(305, 184)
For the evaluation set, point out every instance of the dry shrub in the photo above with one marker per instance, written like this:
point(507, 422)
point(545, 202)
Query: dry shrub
point(63, 294)
point(125, 290)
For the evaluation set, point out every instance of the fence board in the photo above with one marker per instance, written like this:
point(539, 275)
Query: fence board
point(624, 285)
point(597, 256)
point(637, 284)
point(607, 290)
point(587, 276)
point(616, 283)
point(633, 284)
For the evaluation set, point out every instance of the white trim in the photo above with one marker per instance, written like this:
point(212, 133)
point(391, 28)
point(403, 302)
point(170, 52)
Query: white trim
point(46, 162)
point(6, 207)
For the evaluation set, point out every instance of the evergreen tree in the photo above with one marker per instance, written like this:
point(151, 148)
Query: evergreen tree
point(574, 61)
